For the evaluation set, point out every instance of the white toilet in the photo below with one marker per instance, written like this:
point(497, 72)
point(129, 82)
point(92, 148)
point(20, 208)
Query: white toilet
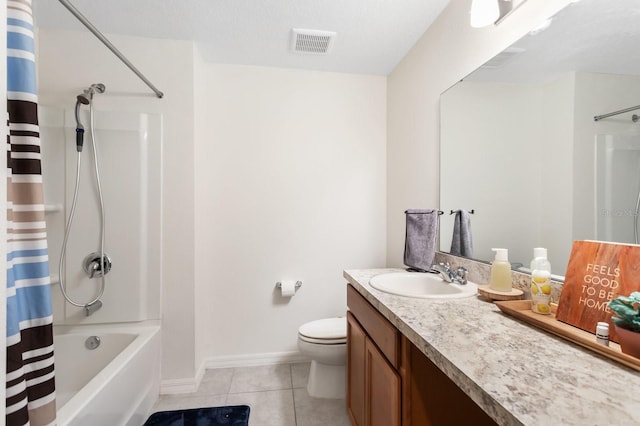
point(325, 343)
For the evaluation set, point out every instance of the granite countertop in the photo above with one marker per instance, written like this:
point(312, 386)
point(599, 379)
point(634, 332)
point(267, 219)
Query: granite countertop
point(516, 373)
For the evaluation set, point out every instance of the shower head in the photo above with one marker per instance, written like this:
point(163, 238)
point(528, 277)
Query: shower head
point(85, 98)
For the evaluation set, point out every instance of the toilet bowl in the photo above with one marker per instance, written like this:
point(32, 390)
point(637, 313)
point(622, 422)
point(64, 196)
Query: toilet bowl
point(325, 343)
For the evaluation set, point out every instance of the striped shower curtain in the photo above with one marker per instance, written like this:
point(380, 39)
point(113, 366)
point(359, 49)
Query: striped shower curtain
point(30, 373)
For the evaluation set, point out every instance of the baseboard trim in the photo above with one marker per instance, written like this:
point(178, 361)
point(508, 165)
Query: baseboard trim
point(188, 385)
point(178, 386)
point(252, 360)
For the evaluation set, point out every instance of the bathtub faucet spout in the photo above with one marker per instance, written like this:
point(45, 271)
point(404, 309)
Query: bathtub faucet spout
point(90, 308)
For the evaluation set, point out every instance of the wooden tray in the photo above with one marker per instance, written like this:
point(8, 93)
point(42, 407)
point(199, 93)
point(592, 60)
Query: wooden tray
point(521, 309)
point(514, 294)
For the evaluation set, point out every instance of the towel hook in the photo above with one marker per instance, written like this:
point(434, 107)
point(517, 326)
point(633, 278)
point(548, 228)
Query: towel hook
point(472, 211)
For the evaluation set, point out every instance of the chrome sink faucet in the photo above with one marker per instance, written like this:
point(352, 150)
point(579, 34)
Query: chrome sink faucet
point(457, 276)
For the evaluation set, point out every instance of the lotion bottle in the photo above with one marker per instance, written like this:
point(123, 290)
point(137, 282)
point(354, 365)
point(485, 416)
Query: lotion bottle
point(500, 271)
point(540, 282)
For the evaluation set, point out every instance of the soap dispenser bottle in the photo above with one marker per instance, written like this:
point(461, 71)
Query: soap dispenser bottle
point(540, 282)
point(500, 271)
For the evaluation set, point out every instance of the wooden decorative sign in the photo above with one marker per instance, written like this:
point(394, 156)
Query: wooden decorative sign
point(597, 272)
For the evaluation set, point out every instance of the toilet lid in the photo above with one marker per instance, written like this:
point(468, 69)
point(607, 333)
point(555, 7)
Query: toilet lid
point(325, 329)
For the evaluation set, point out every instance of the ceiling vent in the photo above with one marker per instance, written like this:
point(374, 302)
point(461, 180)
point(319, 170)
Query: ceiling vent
point(312, 42)
point(501, 58)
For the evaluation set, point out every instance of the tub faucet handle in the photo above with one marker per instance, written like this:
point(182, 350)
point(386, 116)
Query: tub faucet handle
point(93, 267)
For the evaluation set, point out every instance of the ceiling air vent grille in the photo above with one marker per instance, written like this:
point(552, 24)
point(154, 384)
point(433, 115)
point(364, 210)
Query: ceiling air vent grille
point(312, 42)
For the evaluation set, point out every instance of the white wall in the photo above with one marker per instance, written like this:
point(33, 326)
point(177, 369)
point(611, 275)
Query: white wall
point(200, 96)
point(290, 184)
point(448, 51)
point(69, 62)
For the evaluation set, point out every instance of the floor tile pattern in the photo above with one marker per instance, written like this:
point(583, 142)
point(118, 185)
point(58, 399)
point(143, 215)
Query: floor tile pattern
point(277, 395)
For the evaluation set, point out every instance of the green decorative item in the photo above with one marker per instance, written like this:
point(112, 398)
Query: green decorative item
point(627, 310)
point(627, 322)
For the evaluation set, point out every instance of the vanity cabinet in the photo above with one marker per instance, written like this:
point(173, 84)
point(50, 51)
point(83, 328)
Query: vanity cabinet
point(390, 382)
point(373, 382)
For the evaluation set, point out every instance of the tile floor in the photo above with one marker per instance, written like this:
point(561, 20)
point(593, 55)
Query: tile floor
point(277, 395)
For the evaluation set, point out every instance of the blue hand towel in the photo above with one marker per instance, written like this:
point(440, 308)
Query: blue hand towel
point(462, 242)
point(420, 238)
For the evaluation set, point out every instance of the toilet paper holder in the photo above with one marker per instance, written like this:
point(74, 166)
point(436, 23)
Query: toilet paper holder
point(298, 285)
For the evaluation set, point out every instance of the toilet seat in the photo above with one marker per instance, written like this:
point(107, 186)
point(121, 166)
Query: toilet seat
point(329, 331)
point(322, 341)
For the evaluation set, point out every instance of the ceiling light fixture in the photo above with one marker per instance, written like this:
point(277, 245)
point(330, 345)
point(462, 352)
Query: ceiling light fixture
point(484, 12)
point(487, 12)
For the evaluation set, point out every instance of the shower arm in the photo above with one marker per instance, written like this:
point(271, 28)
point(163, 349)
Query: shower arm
point(611, 114)
point(75, 12)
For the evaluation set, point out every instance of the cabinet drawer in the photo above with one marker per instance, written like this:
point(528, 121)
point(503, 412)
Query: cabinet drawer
point(381, 331)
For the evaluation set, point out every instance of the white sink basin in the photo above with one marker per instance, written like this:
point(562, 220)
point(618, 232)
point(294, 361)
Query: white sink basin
point(421, 285)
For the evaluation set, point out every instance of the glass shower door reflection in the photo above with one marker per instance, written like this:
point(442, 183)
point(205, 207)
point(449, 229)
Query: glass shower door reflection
point(617, 187)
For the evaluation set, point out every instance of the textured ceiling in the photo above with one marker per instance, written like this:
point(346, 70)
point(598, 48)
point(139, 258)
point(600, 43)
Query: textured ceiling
point(372, 35)
point(590, 36)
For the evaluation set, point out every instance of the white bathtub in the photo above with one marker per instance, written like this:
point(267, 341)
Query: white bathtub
point(115, 384)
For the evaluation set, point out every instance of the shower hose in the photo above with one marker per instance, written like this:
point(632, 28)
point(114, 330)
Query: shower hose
point(67, 231)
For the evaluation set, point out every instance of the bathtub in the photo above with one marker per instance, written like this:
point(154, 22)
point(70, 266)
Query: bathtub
point(114, 384)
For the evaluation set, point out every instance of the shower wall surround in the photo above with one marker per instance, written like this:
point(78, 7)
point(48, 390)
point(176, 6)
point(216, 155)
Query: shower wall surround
point(129, 155)
point(169, 64)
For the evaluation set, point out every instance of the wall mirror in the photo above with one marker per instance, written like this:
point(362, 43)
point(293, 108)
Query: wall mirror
point(520, 146)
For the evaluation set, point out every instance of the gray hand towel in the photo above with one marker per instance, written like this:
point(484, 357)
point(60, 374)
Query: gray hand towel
point(420, 238)
point(462, 242)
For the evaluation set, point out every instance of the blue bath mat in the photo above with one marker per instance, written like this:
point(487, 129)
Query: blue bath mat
point(237, 415)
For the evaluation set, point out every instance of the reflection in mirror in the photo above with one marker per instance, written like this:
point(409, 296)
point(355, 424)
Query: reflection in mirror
point(520, 146)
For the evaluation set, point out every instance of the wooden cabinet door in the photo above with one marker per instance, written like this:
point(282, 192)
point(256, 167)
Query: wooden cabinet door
point(382, 389)
point(356, 346)
point(433, 399)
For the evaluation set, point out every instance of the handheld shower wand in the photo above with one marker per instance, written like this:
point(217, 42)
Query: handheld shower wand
point(84, 98)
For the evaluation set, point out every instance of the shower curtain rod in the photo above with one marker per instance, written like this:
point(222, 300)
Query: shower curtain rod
point(75, 12)
point(622, 111)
